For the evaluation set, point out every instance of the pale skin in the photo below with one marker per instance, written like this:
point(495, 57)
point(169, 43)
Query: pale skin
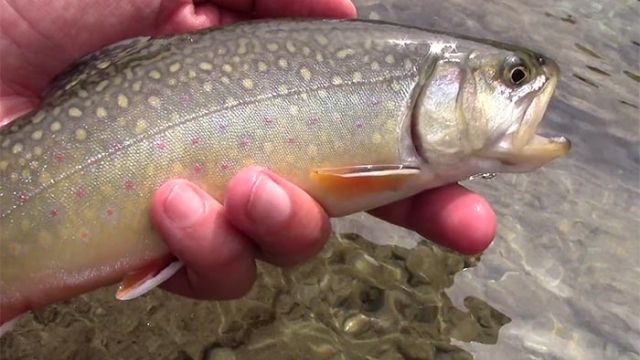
point(263, 217)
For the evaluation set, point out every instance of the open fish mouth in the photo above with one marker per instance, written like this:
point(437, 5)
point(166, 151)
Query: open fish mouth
point(524, 145)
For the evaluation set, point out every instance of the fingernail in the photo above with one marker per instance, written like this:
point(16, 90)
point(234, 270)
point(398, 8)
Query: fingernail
point(183, 205)
point(269, 204)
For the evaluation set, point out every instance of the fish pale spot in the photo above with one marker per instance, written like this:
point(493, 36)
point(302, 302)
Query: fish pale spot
point(368, 44)
point(81, 134)
point(141, 125)
point(175, 67)
point(38, 150)
point(17, 148)
point(283, 89)
point(4, 164)
point(323, 93)
point(55, 126)
point(83, 93)
point(268, 147)
point(408, 64)
point(136, 86)
point(207, 86)
point(290, 46)
point(230, 101)
point(375, 65)
point(321, 39)
point(390, 59)
point(272, 47)
point(45, 239)
point(357, 76)
point(227, 68)
point(177, 168)
point(304, 96)
point(37, 135)
point(74, 112)
point(123, 101)
point(293, 109)
point(337, 80)
point(305, 73)
point(103, 64)
point(207, 66)
point(248, 84)
point(221, 50)
point(58, 109)
point(128, 74)
point(342, 54)
point(395, 86)
point(376, 138)
point(283, 63)
point(154, 100)
point(45, 177)
point(172, 81)
point(319, 56)
point(242, 49)
point(38, 117)
point(103, 84)
point(312, 150)
point(14, 177)
point(391, 125)
point(235, 59)
point(121, 121)
point(22, 161)
point(374, 16)
point(34, 165)
point(192, 74)
point(155, 74)
point(225, 80)
point(262, 66)
point(88, 102)
point(306, 51)
point(391, 105)
point(6, 143)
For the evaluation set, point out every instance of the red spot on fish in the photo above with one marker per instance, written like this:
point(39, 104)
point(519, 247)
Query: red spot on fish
point(59, 157)
point(116, 147)
point(197, 169)
point(359, 124)
point(94, 160)
point(186, 98)
point(374, 102)
point(23, 198)
point(110, 211)
point(222, 127)
point(244, 142)
point(291, 140)
point(195, 141)
point(80, 193)
point(53, 213)
point(224, 165)
point(84, 234)
point(161, 146)
point(313, 121)
point(268, 120)
point(128, 185)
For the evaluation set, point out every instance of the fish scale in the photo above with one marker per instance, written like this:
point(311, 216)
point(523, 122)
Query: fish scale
point(77, 173)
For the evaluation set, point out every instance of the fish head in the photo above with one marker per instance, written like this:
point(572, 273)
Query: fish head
point(484, 107)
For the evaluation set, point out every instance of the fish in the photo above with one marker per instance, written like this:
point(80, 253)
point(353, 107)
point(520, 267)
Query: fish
point(357, 113)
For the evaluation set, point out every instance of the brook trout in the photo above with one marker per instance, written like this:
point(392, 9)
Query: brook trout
point(357, 113)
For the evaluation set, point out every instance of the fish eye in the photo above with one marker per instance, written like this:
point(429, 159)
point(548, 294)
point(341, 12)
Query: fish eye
point(518, 75)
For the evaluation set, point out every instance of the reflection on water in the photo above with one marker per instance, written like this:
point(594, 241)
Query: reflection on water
point(560, 282)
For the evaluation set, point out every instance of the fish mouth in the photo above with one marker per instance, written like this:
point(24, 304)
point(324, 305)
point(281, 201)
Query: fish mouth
point(524, 146)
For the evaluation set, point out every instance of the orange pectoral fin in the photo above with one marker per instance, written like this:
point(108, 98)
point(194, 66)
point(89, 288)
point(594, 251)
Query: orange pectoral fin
point(149, 277)
point(361, 180)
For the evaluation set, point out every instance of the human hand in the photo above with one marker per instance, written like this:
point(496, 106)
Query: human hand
point(218, 244)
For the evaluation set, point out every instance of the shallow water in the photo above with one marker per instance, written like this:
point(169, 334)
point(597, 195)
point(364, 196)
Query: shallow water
point(561, 281)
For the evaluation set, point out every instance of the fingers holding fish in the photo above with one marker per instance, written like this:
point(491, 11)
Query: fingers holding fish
point(452, 216)
point(286, 224)
point(219, 260)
